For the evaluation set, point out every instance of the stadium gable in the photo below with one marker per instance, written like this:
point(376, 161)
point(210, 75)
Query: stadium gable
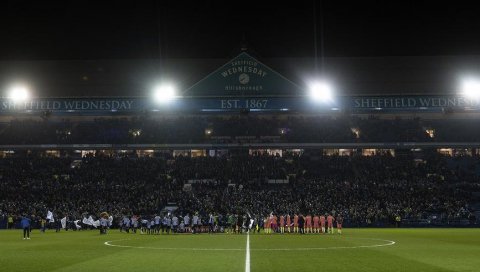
point(244, 75)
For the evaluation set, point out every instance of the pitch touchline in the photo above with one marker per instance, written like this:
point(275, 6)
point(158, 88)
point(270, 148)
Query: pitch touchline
point(388, 243)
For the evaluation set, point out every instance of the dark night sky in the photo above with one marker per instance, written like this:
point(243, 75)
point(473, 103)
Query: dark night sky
point(214, 29)
point(71, 48)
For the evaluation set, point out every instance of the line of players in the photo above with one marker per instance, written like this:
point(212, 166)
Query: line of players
point(168, 224)
point(150, 226)
point(235, 224)
point(302, 224)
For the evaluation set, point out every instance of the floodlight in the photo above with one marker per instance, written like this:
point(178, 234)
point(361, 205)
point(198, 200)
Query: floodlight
point(18, 93)
point(471, 89)
point(321, 91)
point(164, 93)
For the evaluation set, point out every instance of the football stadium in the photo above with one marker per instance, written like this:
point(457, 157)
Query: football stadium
point(240, 162)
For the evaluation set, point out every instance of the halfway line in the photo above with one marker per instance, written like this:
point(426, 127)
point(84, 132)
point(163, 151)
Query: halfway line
point(247, 255)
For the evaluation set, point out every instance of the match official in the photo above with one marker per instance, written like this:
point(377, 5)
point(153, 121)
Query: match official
point(25, 223)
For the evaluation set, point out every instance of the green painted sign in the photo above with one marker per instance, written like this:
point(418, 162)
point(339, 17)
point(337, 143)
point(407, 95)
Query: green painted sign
point(244, 76)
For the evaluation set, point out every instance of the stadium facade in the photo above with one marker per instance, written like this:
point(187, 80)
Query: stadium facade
point(244, 87)
point(245, 108)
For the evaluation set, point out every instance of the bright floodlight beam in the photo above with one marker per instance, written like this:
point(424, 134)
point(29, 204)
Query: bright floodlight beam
point(164, 93)
point(471, 89)
point(18, 93)
point(321, 91)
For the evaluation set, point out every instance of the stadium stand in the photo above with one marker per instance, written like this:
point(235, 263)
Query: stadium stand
point(228, 129)
point(245, 139)
point(368, 191)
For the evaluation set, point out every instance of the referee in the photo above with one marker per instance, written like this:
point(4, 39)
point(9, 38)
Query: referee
point(25, 223)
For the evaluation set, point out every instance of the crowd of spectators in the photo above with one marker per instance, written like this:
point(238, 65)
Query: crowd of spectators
point(363, 189)
point(236, 128)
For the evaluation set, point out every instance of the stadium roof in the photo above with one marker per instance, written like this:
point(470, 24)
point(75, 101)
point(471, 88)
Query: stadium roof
point(351, 76)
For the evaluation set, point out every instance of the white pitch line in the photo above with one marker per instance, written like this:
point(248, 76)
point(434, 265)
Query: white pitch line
point(247, 254)
point(108, 243)
point(389, 243)
point(247, 257)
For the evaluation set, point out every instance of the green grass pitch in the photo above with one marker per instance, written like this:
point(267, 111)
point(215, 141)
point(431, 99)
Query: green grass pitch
point(354, 250)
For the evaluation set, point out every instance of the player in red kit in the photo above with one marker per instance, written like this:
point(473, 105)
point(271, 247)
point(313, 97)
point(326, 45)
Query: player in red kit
point(282, 224)
point(295, 223)
point(273, 224)
point(322, 223)
point(339, 223)
point(266, 225)
point(316, 221)
point(289, 223)
point(308, 223)
point(330, 220)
